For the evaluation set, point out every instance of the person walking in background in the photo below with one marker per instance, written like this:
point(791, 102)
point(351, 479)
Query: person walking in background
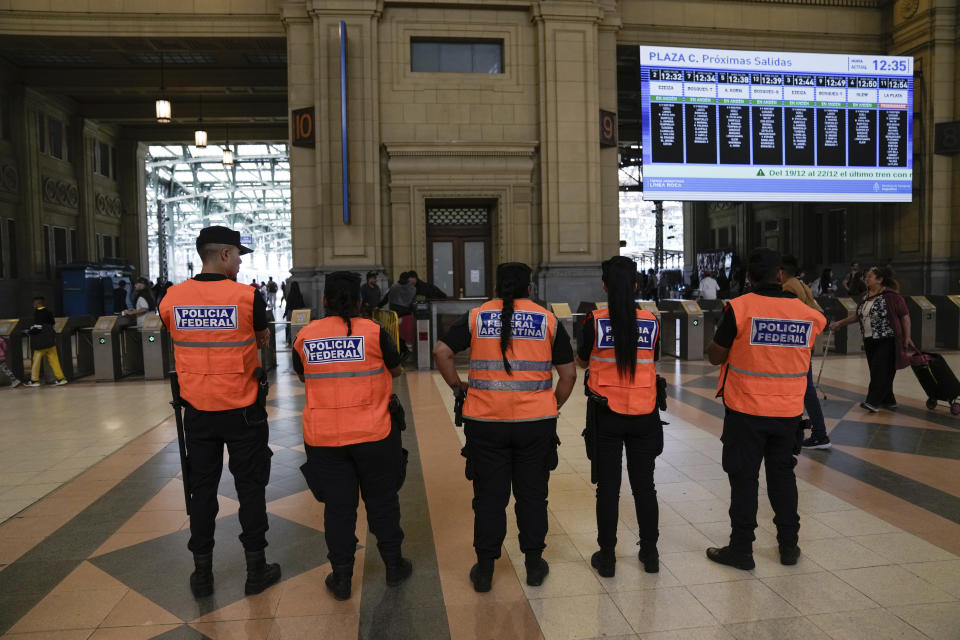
point(708, 287)
point(620, 345)
point(120, 297)
point(824, 286)
point(294, 301)
point(4, 368)
point(271, 293)
point(143, 301)
point(885, 324)
point(789, 283)
point(43, 343)
point(426, 289)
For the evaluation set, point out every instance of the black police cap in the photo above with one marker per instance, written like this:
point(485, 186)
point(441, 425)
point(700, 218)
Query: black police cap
point(221, 235)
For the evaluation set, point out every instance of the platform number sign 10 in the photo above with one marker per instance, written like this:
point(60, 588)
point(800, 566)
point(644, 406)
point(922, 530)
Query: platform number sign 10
point(303, 127)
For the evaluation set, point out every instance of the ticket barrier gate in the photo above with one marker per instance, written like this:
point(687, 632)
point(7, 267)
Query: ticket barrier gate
point(923, 322)
point(157, 362)
point(712, 312)
point(424, 350)
point(74, 345)
point(948, 320)
point(848, 339)
point(567, 318)
point(299, 318)
point(12, 329)
point(116, 348)
point(681, 329)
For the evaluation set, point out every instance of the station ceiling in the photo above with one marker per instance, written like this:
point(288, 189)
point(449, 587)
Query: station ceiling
point(241, 82)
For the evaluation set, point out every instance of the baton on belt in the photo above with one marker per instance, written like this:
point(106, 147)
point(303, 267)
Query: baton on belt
point(177, 405)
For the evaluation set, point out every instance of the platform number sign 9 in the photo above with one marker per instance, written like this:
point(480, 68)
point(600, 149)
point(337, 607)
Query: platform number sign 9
point(608, 129)
point(303, 127)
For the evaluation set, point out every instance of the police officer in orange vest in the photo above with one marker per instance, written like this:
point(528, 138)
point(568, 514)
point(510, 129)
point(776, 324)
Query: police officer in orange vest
point(764, 342)
point(510, 415)
point(216, 325)
point(619, 345)
point(348, 364)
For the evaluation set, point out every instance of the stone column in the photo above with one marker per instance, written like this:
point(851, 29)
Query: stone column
point(570, 164)
point(322, 241)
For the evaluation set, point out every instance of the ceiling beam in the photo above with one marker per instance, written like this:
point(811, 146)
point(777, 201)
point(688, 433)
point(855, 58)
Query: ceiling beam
point(196, 80)
point(239, 110)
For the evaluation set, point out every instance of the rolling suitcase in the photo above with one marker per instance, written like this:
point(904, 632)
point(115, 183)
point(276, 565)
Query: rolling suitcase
point(937, 380)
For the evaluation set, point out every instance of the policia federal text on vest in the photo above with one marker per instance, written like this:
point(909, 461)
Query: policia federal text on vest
point(764, 342)
point(620, 344)
point(215, 327)
point(510, 414)
point(348, 364)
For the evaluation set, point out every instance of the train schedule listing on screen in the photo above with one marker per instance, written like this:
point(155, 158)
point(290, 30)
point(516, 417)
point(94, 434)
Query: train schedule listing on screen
point(759, 125)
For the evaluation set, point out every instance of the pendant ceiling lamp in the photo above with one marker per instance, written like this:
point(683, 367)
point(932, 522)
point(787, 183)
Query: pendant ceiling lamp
point(200, 135)
point(163, 109)
point(227, 159)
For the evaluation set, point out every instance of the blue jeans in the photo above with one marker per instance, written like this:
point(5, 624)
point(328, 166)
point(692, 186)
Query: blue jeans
point(812, 404)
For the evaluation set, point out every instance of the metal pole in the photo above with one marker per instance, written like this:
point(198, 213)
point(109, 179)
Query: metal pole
point(658, 244)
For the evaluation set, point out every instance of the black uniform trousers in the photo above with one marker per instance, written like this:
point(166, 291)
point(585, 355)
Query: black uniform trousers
point(245, 433)
point(748, 440)
point(882, 361)
point(368, 468)
point(501, 455)
point(642, 436)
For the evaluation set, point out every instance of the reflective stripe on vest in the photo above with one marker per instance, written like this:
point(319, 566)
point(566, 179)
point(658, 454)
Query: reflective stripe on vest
point(343, 374)
point(213, 345)
point(625, 395)
point(639, 360)
point(762, 374)
point(766, 370)
point(516, 365)
point(511, 385)
point(525, 394)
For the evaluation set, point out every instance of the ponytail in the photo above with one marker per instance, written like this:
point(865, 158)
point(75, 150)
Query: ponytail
point(620, 276)
point(513, 280)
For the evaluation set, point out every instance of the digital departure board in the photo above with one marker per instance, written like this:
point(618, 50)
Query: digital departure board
point(759, 125)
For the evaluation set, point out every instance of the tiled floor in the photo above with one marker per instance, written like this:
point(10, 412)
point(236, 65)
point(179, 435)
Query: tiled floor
point(93, 546)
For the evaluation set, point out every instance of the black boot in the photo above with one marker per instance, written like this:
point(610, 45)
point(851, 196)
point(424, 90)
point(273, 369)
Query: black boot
point(537, 569)
point(650, 558)
point(260, 575)
point(789, 554)
point(338, 582)
point(398, 571)
point(201, 580)
point(731, 557)
point(605, 562)
point(481, 575)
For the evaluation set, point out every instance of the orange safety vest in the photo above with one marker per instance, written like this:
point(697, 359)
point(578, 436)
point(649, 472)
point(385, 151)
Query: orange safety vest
point(348, 384)
point(766, 370)
point(527, 395)
point(630, 397)
point(214, 343)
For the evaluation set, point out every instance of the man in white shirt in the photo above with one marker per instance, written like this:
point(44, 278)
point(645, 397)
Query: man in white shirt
point(708, 287)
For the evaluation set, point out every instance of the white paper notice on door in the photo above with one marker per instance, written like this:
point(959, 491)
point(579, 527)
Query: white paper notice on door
point(474, 275)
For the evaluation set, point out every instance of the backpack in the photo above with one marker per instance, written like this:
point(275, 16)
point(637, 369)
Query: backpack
point(272, 287)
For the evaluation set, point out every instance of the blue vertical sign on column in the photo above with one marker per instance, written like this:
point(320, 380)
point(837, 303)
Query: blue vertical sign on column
point(343, 123)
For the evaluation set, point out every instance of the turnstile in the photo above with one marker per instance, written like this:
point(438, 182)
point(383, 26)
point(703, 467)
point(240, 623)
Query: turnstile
point(74, 345)
point(12, 329)
point(848, 339)
point(681, 329)
point(651, 306)
point(421, 316)
point(299, 318)
point(564, 315)
point(712, 312)
point(948, 320)
point(116, 348)
point(923, 322)
point(156, 348)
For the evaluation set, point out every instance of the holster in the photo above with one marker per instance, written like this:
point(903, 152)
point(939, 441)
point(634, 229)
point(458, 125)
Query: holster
point(661, 393)
point(398, 415)
point(459, 395)
point(263, 386)
point(594, 402)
